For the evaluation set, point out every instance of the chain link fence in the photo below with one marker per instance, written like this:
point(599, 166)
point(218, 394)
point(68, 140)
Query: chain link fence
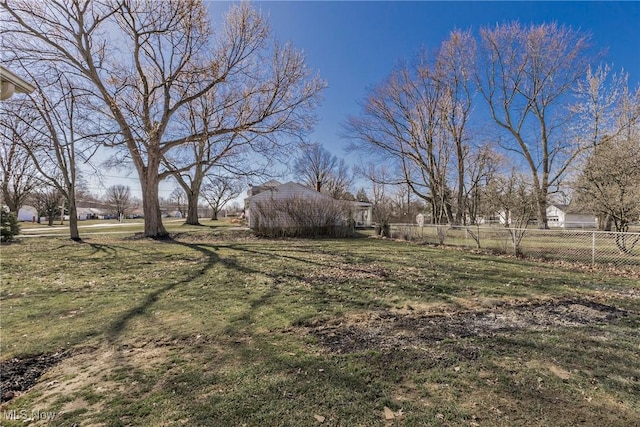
point(583, 246)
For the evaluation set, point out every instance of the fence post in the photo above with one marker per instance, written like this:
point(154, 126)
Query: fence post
point(593, 248)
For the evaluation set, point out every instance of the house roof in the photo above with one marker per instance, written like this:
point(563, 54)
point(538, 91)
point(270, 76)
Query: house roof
point(11, 83)
point(83, 210)
point(262, 187)
point(569, 209)
point(294, 190)
point(287, 190)
point(271, 183)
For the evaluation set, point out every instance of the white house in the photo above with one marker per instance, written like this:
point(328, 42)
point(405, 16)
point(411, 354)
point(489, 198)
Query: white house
point(27, 213)
point(270, 202)
point(565, 216)
point(89, 213)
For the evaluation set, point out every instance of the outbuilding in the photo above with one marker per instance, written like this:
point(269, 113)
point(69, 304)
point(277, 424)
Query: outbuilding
point(566, 216)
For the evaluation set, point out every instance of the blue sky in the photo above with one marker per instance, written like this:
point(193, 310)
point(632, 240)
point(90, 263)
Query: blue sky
point(355, 45)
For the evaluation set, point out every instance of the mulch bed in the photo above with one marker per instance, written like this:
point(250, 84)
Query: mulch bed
point(20, 374)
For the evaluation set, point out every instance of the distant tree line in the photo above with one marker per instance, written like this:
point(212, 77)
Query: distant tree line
point(517, 112)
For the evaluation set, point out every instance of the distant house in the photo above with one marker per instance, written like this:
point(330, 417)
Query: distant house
point(565, 216)
point(291, 205)
point(89, 213)
point(508, 218)
point(27, 213)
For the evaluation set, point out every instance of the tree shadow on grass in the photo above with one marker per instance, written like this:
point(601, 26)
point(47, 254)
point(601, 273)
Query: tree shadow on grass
point(116, 328)
point(212, 258)
point(107, 249)
point(98, 247)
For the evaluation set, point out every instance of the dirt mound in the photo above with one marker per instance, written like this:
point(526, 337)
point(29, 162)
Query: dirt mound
point(20, 374)
point(386, 330)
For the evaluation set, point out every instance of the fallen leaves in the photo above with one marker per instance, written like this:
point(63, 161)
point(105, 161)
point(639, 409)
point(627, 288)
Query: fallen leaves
point(390, 415)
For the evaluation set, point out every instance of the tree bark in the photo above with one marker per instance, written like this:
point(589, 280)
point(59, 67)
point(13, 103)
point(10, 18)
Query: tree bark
point(73, 221)
point(153, 226)
point(150, 180)
point(192, 208)
point(541, 201)
point(460, 199)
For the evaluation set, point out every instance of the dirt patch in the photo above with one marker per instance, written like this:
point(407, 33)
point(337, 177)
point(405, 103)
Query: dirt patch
point(20, 374)
point(90, 369)
point(386, 330)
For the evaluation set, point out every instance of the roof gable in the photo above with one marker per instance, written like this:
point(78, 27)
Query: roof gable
point(568, 209)
point(288, 190)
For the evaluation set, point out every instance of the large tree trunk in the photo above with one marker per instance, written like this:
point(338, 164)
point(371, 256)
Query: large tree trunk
point(541, 201)
point(461, 208)
point(8, 199)
point(192, 190)
point(153, 226)
point(192, 208)
point(149, 181)
point(605, 222)
point(73, 220)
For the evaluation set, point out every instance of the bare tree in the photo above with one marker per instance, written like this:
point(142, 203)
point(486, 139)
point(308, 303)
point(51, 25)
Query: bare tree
point(608, 185)
point(319, 169)
point(608, 116)
point(18, 172)
point(514, 198)
point(482, 168)
point(54, 119)
point(47, 200)
point(340, 182)
point(314, 166)
point(118, 197)
point(609, 182)
point(525, 75)
point(418, 120)
point(178, 201)
point(219, 190)
point(456, 64)
point(241, 154)
point(381, 180)
point(604, 106)
point(173, 58)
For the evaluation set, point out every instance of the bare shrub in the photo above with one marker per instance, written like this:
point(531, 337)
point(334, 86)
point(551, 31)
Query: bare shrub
point(303, 217)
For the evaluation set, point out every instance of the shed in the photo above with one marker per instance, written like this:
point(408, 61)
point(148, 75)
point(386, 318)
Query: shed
point(566, 216)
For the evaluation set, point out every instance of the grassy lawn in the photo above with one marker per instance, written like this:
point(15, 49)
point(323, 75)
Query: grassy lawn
point(218, 328)
point(112, 226)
